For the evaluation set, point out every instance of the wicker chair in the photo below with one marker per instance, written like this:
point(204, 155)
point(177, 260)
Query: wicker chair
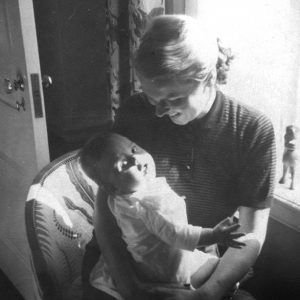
point(58, 214)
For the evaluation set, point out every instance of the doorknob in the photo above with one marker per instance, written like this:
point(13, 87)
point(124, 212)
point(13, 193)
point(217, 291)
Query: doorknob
point(8, 86)
point(47, 81)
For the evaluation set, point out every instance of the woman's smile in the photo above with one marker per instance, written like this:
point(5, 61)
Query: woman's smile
point(182, 102)
point(174, 116)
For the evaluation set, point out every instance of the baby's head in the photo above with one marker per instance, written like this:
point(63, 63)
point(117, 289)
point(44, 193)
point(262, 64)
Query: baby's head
point(117, 163)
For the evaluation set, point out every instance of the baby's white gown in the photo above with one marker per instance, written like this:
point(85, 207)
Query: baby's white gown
point(155, 228)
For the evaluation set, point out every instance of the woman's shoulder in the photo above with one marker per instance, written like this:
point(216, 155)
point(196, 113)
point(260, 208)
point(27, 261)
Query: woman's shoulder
point(244, 114)
point(136, 120)
point(136, 100)
point(136, 107)
point(248, 124)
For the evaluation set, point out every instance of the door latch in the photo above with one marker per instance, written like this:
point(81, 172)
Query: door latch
point(17, 84)
point(22, 104)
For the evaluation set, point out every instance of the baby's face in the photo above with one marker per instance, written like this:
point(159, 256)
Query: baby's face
point(126, 166)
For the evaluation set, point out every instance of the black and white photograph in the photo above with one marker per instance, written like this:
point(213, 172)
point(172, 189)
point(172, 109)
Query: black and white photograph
point(149, 149)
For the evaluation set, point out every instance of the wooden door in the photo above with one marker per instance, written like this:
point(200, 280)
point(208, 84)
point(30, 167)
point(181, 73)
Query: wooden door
point(23, 136)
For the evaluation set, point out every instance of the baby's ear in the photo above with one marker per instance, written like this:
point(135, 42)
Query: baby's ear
point(119, 167)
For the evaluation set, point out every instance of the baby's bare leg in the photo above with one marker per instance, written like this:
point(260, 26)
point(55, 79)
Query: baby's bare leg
point(204, 272)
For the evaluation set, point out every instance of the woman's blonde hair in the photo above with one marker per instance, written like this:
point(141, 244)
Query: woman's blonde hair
point(182, 48)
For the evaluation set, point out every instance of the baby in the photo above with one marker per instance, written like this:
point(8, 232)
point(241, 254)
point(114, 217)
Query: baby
point(151, 216)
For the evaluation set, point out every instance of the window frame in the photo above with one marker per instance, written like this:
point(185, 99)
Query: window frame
point(286, 211)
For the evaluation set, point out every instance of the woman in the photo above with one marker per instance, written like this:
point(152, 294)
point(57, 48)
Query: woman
point(217, 152)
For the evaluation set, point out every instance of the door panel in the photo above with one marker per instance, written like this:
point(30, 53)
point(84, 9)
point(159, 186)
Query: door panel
point(23, 137)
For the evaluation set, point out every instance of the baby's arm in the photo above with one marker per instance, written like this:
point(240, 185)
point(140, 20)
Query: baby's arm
point(187, 236)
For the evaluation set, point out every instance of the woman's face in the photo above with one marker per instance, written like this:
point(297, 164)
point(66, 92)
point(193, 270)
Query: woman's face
point(182, 102)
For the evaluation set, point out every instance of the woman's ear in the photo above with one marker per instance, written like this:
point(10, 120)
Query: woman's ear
point(212, 78)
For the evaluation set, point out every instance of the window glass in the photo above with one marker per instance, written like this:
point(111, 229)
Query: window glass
point(265, 37)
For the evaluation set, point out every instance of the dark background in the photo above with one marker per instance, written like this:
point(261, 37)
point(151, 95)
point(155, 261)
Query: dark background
point(71, 45)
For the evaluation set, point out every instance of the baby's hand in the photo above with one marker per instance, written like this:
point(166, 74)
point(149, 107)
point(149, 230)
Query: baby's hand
point(224, 234)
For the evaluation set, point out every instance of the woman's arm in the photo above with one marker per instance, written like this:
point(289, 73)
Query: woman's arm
point(235, 263)
point(113, 248)
point(254, 188)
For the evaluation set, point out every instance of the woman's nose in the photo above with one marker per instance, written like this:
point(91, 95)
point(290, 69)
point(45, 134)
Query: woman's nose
point(162, 108)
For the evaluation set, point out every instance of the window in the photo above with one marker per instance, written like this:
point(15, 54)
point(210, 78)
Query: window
point(265, 37)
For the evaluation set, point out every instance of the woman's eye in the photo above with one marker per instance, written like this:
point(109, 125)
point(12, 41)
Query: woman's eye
point(134, 150)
